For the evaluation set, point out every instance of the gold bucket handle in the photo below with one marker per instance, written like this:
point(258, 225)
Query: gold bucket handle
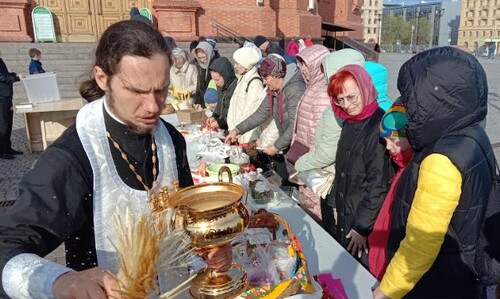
point(226, 170)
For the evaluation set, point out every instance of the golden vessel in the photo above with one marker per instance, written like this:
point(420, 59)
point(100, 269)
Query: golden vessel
point(213, 215)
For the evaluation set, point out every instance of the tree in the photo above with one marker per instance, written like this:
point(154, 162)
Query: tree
point(423, 35)
point(395, 27)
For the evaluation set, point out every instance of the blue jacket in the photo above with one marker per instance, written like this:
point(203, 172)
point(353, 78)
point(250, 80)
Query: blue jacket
point(378, 73)
point(36, 67)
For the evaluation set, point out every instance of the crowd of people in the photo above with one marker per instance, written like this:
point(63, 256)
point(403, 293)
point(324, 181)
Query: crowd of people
point(405, 181)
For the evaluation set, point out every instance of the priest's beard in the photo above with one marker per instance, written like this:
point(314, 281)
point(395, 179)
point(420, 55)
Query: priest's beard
point(133, 128)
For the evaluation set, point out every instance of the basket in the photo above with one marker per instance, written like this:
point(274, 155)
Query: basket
point(301, 279)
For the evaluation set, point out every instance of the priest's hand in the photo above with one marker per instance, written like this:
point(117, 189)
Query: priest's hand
point(357, 244)
point(377, 294)
point(93, 283)
point(219, 258)
point(231, 137)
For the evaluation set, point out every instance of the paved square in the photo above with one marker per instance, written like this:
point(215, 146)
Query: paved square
point(11, 171)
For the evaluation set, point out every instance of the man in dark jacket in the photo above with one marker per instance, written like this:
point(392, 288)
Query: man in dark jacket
point(438, 211)
point(286, 87)
point(7, 80)
point(222, 73)
point(267, 47)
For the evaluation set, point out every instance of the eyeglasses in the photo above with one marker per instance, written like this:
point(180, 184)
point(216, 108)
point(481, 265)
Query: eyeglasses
point(350, 98)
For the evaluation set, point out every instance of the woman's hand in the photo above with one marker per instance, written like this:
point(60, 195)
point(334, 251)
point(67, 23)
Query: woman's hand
point(231, 137)
point(218, 258)
point(357, 244)
point(212, 123)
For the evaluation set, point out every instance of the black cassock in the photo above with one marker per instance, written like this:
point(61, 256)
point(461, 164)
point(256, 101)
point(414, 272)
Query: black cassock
point(55, 202)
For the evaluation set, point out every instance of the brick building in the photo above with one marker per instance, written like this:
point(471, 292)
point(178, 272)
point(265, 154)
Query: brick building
point(479, 23)
point(86, 20)
point(372, 21)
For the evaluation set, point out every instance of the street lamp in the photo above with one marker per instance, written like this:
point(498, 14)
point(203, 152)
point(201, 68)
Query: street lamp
point(379, 19)
point(418, 19)
point(436, 25)
point(411, 39)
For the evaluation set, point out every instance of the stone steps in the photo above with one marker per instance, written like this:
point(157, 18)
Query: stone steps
point(71, 61)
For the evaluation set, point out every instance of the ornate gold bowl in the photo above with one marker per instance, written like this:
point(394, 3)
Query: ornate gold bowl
point(213, 215)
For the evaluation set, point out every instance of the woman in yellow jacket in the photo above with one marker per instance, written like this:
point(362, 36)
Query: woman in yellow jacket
point(437, 212)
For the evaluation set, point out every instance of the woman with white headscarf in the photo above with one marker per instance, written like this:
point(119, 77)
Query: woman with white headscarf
point(246, 97)
point(183, 74)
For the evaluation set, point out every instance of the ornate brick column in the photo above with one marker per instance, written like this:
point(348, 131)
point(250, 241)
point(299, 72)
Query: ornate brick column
point(177, 18)
point(15, 22)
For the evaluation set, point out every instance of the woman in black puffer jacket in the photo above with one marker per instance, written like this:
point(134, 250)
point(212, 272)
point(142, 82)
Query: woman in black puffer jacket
point(363, 166)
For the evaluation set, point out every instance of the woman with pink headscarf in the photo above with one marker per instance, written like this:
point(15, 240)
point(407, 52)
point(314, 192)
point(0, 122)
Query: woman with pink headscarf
point(363, 168)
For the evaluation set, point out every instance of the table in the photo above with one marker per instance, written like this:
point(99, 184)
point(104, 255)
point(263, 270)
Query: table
point(322, 252)
point(45, 122)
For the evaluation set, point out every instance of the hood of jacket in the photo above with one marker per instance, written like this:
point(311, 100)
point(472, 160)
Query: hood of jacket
point(292, 75)
point(134, 11)
point(223, 66)
point(313, 57)
point(378, 72)
point(338, 59)
point(444, 90)
point(315, 98)
point(209, 51)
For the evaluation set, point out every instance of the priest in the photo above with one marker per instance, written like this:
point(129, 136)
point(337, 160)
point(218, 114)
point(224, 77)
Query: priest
point(117, 151)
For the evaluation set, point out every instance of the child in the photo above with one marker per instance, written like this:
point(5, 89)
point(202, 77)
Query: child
point(35, 64)
point(211, 96)
point(393, 130)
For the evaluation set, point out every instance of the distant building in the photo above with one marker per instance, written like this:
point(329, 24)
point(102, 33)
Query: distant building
point(479, 23)
point(416, 12)
point(450, 23)
point(372, 20)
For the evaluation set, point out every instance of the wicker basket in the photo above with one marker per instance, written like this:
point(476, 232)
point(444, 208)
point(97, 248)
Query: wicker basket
point(301, 279)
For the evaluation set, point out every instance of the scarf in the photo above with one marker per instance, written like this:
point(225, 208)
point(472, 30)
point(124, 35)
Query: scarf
point(368, 95)
point(377, 240)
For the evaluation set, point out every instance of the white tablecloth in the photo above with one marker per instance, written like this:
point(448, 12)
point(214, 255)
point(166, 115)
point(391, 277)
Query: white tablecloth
point(323, 253)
